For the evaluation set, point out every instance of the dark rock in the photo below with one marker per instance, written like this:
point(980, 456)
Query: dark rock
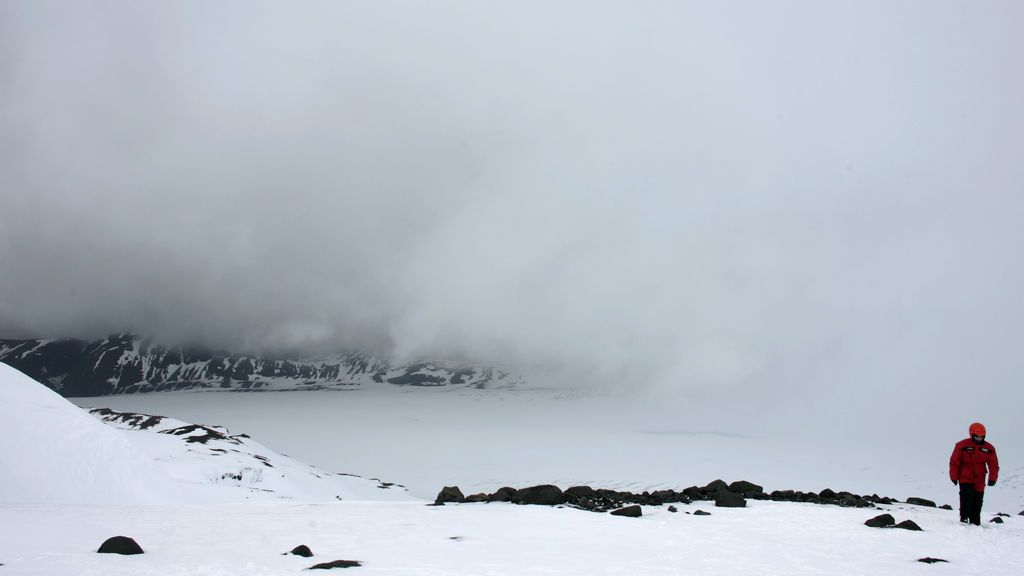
point(701, 513)
point(930, 560)
point(827, 494)
point(482, 497)
point(629, 511)
point(449, 494)
point(581, 492)
point(851, 500)
point(946, 507)
point(673, 509)
point(502, 495)
point(996, 520)
point(727, 499)
point(1003, 514)
point(302, 550)
point(120, 545)
point(920, 502)
point(881, 521)
point(745, 488)
point(665, 496)
point(544, 495)
point(695, 493)
point(784, 496)
point(715, 486)
point(336, 564)
point(909, 525)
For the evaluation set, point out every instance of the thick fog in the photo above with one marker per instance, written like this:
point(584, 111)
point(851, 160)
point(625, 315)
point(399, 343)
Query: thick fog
point(730, 199)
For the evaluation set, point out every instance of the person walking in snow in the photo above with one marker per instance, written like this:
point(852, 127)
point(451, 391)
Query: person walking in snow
point(971, 458)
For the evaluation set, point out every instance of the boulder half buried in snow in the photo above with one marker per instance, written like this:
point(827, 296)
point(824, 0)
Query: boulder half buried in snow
point(544, 495)
point(336, 564)
point(881, 521)
point(909, 525)
point(727, 499)
point(629, 511)
point(120, 545)
point(450, 494)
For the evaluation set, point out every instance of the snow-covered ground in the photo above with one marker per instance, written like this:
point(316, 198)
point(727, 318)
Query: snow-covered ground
point(500, 539)
point(190, 523)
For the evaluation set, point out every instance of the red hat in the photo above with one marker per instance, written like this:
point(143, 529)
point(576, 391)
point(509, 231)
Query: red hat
point(977, 429)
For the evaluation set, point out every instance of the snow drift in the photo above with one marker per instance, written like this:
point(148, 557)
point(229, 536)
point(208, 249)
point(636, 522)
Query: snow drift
point(53, 452)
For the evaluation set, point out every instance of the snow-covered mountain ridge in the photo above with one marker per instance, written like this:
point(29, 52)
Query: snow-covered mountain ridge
point(126, 363)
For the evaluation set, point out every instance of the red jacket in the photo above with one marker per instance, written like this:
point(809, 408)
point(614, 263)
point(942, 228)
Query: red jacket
point(968, 463)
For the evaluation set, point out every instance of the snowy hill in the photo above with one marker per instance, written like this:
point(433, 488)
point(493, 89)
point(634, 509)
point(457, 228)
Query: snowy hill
point(239, 466)
point(51, 451)
point(126, 363)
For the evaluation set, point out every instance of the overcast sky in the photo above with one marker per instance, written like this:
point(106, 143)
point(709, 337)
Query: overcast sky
point(710, 195)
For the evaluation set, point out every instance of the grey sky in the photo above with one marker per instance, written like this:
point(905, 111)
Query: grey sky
point(721, 196)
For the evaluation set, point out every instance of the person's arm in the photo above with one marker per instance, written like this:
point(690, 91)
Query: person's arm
point(993, 468)
point(954, 464)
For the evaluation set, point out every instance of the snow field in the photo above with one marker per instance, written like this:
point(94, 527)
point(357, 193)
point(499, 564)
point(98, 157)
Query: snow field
point(502, 539)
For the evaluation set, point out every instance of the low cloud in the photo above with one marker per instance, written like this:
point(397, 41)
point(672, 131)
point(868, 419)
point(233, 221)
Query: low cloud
point(748, 200)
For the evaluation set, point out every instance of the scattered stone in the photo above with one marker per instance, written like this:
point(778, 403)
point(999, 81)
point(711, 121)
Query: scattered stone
point(449, 494)
point(544, 495)
point(336, 564)
point(930, 560)
point(701, 513)
point(482, 497)
point(996, 520)
point(502, 495)
point(881, 521)
point(1003, 514)
point(727, 499)
point(827, 494)
point(302, 550)
point(909, 525)
point(946, 507)
point(1021, 513)
point(629, 511)
point(120, 545)
point(673, 509)
point(920, 502)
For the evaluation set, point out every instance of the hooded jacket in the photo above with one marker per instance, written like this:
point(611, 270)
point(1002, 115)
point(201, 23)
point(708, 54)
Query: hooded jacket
point(970, 461)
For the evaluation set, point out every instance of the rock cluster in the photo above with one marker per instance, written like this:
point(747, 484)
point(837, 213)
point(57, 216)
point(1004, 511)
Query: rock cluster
point(724, 495)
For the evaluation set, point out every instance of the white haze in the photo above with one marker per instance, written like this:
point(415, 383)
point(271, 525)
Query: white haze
point(808, 206)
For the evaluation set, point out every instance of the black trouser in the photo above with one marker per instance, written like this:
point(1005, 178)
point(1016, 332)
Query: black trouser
point(970, 504)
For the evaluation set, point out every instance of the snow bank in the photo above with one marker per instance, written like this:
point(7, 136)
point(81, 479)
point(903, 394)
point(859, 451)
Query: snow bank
point(53, 452)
